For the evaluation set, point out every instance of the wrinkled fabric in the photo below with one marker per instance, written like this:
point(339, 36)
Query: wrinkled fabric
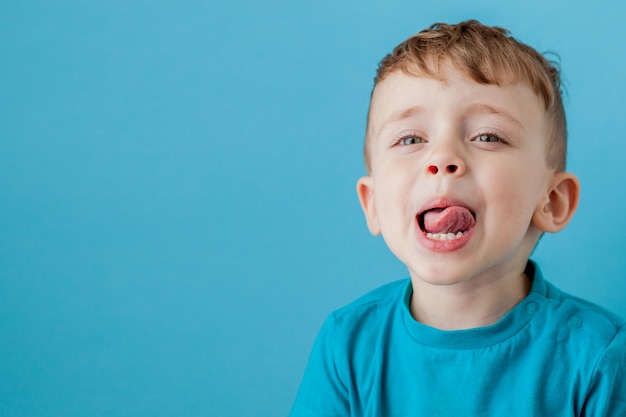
point(552, 355)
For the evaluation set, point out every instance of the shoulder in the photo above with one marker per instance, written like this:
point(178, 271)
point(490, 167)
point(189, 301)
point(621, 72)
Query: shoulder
point(581, 313)
point(606, 388)
point(590, 342)
point(364, 318)
point(578, 324)
point(376, 302)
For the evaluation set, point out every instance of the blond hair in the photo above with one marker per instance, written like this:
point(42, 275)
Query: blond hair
point(488, 55)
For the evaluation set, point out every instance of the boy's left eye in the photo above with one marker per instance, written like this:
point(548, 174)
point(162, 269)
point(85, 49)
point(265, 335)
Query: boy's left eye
point(487, 138)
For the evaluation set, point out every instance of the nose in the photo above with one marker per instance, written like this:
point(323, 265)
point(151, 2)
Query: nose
point(446, 162)
point(450, 169)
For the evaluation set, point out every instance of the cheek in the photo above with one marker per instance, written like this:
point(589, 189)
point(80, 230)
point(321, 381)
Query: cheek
point(393, 198)
point(513, 197)
point(388, 203)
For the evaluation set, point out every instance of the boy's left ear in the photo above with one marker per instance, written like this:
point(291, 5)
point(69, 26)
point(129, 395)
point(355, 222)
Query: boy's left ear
point(557, 208)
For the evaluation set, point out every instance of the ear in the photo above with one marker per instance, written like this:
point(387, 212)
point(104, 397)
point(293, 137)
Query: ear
point(365, 191)
point(560, 203)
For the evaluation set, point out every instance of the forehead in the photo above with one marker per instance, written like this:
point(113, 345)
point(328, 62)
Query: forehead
point(401, 97)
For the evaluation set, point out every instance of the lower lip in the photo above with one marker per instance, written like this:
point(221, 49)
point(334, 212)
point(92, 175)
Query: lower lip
point(442, 245)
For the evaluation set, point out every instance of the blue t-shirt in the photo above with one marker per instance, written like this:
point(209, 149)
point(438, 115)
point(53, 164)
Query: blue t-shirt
point(552, 355)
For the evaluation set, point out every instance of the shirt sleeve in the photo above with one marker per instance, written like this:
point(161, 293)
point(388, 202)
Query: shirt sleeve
point(322, 392)
point(607, 390)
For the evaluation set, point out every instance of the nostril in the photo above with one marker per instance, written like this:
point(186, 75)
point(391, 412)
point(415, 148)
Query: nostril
point(433, 169)
point(451, 169)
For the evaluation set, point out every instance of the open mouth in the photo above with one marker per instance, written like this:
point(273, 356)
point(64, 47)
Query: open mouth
point(446, 223)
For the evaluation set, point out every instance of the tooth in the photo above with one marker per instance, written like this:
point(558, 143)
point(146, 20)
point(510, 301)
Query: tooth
point(444, 236)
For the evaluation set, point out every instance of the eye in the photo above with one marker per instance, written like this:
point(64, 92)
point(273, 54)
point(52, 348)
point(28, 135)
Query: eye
point(487, 138)
point(410, 140)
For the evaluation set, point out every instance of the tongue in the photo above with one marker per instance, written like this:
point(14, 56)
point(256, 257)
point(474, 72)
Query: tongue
point(451, 219)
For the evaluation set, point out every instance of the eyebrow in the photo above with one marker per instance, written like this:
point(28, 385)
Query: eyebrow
point(401, 115)
point(480, 108)
point(474, 109)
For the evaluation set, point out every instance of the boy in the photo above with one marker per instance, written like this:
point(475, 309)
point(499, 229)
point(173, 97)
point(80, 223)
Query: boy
point(465, 155)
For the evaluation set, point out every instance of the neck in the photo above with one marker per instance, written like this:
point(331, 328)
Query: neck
point(471, 304)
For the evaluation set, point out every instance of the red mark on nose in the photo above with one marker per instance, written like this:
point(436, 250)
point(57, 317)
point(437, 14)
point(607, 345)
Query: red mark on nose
point(433, 169)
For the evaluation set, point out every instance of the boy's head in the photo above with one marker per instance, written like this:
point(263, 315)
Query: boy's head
point(465, 149)
point(487, 55)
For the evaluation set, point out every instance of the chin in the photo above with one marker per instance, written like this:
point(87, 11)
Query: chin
point(439, 275)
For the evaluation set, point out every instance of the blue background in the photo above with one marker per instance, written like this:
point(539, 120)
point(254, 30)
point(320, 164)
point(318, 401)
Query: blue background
point(177, 204)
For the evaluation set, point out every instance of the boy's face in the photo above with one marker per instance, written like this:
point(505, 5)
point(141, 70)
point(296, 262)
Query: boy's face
point(458, 170)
